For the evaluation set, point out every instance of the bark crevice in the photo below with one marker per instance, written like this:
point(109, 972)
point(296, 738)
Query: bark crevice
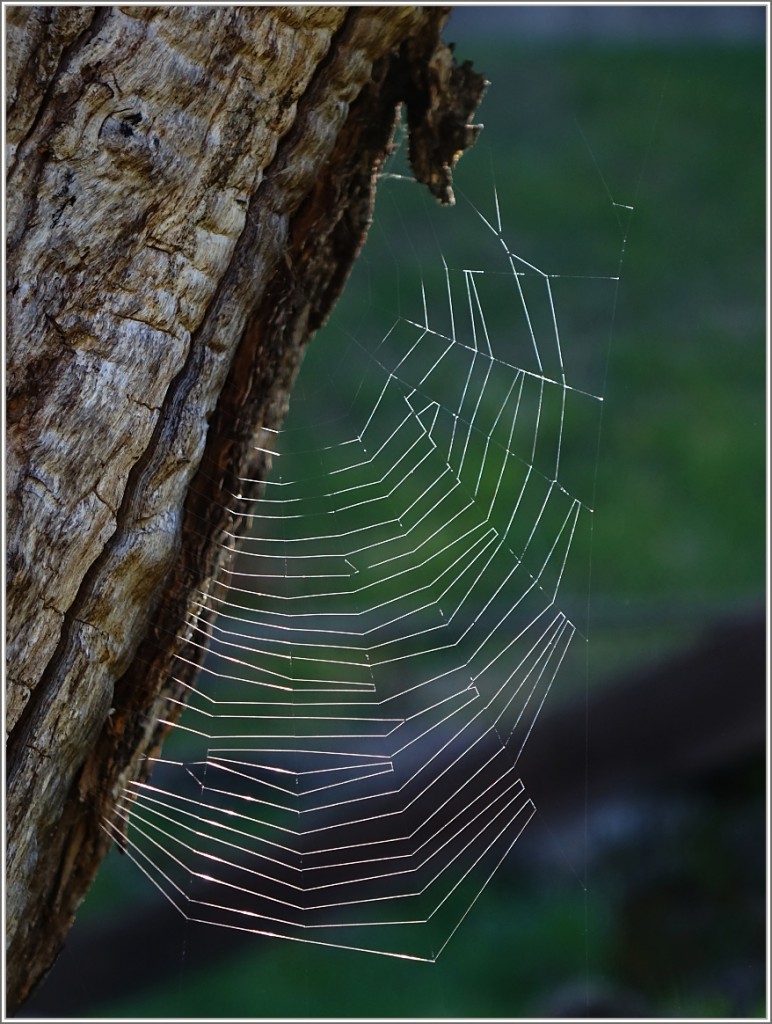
point(31, 151)
point(282, 214)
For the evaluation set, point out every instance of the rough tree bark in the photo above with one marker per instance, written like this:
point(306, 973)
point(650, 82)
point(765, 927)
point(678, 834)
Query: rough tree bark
point(187, 189)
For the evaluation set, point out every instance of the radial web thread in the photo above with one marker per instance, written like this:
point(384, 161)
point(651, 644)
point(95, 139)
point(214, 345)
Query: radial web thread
point(346, 771)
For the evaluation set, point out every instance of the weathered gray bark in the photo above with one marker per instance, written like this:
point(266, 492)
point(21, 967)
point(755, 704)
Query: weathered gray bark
point(187, 189)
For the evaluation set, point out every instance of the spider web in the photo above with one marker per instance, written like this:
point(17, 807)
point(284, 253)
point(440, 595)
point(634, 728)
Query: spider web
point(345, 772)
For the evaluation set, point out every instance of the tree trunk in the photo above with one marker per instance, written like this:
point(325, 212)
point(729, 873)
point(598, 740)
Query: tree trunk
point(187, 189)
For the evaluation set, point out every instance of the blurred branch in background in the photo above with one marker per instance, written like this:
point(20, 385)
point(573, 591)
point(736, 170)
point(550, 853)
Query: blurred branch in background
point(689, 725)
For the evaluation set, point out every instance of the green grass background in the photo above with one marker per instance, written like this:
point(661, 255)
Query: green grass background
point(678, 537)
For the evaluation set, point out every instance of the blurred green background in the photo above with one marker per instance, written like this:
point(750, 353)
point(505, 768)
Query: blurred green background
point(651, 903)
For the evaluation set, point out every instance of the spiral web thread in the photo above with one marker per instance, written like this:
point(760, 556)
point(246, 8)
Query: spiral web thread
point(346, 771)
